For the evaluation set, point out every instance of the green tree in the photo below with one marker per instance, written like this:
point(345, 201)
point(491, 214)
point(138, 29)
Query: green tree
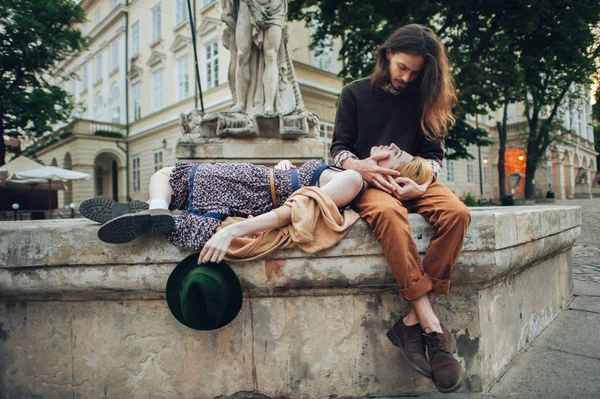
point(532, 52)
point(34, 36)
point(364, 24)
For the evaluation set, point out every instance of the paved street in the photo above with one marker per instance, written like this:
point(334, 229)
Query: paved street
point(586, 252)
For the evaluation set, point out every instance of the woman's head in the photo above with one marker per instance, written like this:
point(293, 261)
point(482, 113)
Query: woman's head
point(418, 170)
point(415, 55)
point(415, 168)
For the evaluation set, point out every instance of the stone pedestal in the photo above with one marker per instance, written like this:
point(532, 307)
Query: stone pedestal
point(237, 137)
point(82, 318)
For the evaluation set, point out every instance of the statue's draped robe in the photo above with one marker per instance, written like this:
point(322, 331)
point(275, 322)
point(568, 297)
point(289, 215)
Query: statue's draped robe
point(287, 99)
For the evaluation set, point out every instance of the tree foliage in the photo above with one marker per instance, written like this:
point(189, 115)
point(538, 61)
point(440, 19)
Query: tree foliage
point(34, 36)
point(532, 52)
point(364, 25)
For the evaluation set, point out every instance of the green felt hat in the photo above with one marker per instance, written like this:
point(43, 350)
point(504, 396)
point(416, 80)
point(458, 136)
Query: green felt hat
point(204, 297)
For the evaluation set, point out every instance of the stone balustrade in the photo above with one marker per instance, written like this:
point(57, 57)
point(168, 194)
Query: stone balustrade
point(82, 318)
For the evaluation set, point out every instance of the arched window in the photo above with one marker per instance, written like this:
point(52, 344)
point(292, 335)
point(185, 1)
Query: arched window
point(54, 162)
point(98, 107)
point(115, 110)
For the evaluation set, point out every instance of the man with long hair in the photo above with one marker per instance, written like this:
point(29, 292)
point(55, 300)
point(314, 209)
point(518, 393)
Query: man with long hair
point(407, 101)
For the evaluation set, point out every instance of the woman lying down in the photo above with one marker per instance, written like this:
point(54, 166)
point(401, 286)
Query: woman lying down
point(209, 193)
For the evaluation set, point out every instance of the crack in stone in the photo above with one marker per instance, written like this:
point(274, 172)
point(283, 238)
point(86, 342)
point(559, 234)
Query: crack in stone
point(570, 353)
point(583, 310)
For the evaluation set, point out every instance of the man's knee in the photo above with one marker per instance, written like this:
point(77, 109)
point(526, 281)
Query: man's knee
point(458, 215)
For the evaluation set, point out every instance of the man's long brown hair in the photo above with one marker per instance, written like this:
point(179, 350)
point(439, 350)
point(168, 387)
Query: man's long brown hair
point(437, 91)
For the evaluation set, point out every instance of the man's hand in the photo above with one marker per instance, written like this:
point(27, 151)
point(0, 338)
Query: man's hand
point(407, 189)
point(374, 174)
point(284, 165)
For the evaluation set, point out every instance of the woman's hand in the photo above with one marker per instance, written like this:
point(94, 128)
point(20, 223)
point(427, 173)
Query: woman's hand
point(284, 165)
point(374, 174)
point(407, 189)
point(216, 248)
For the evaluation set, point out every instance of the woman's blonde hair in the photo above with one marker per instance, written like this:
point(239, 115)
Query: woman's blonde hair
point(418, 170)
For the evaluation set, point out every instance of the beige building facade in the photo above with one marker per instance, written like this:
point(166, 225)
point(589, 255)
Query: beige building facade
point(137, 77)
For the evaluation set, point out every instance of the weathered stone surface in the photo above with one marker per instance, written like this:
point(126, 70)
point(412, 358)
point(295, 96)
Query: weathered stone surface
point(263, 151)
point(311, 325)
point(64, 259)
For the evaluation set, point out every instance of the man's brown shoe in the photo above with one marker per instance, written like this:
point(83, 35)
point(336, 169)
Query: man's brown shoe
point(446, 372)
point(127, 227)
point(412, 347)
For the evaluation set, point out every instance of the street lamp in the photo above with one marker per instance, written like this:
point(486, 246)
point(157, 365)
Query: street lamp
point(15, 207)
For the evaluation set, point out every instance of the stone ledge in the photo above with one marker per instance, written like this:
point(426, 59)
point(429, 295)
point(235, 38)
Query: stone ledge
point(54, 260)
point(311, 326)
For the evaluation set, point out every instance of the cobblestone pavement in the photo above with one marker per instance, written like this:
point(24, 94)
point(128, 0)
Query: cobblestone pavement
point(586, 251)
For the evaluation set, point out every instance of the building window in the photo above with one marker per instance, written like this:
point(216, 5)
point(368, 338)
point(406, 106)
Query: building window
point(84, 77)
point(135, 39)
point(158, 161)
point(207, 2)
point(486, 170)
point(157, 90)
point(137, 108)
point(98, 107)
point(113, 4)
point(183, 90)
point(98, 68)
point(115, 109)
point(212, 65)
point(73, 86)
point(97, 17)
point(136, 174)
point(99, 182)
point(83, 29)
point(470, 172)
point(450, 171)
point(114, 55)
point(156, 23)
point(180, 12)
point(326, 135)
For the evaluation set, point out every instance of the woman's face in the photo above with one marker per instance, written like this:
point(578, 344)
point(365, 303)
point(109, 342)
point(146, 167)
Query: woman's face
point(396, 155)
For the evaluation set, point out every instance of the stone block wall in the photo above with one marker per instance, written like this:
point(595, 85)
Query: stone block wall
point(84, 319)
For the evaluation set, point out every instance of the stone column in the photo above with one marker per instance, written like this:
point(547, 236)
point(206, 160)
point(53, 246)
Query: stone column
point(590, 177)
point(122, 173)
point(83, 189)
point(560, 190)
point(571, 180)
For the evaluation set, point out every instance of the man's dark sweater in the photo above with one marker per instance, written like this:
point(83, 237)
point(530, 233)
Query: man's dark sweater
point(367, 117)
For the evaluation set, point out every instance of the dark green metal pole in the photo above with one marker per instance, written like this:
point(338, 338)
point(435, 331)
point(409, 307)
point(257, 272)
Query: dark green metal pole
point(195, 54)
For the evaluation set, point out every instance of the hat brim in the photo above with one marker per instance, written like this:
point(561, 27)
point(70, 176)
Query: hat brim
point(175, 280)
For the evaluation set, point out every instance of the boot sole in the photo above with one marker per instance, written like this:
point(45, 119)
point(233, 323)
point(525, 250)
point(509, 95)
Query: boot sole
point(127, 228)
point(398, 343)
point(102, 210)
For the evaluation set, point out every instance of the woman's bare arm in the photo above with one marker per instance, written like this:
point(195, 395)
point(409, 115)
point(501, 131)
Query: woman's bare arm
point(342, 188)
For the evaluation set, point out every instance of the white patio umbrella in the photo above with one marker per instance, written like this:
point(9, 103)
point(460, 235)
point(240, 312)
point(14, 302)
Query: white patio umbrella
point(48, 176)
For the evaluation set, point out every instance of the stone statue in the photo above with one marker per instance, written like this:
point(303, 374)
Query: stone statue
point(261, 74)
point(268, 121)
